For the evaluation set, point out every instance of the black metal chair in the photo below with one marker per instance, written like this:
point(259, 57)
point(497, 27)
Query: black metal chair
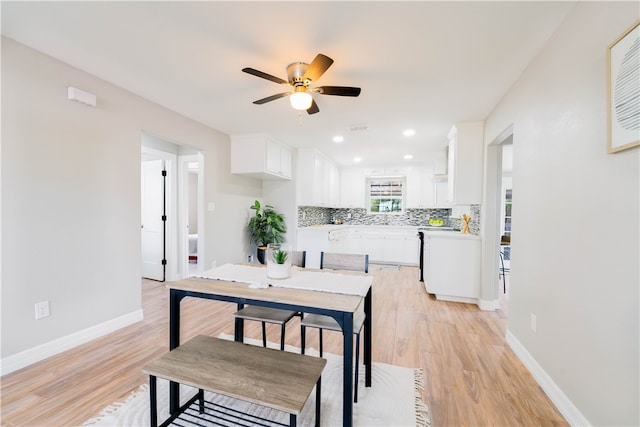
point(505, 241)
point(273, 315)
point(337, 261)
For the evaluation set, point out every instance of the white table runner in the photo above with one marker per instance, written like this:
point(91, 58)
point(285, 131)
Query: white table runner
point(323, 281)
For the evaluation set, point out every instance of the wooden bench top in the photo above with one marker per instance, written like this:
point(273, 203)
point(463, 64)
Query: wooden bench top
point(278, 379)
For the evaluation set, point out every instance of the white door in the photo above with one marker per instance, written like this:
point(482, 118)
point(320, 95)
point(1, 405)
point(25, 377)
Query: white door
point(153, 210)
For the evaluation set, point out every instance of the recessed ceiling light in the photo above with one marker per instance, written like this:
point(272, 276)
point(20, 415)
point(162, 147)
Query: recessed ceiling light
point(408, 156)
point(357, 159)
point(338, 139)
point(409, 132)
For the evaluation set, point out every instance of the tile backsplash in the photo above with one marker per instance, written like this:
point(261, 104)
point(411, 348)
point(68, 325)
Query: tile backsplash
point(312, 215)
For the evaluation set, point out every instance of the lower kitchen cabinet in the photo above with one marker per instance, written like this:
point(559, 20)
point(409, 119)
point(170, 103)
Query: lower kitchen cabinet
point(452, 267)
point(384, 244)
point(393, 245)
point(411, 248)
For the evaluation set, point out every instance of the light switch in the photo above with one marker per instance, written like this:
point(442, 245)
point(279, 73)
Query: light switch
point(211, 207)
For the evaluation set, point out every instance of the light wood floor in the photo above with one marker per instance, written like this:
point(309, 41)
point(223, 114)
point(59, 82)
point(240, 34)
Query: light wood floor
point(472, 378)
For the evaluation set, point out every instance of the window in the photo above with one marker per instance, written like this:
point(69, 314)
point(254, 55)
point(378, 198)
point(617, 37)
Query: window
point(386, 195)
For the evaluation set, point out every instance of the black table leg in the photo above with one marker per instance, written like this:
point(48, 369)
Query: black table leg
point(368, 337)
point(153, 401)
point(174, 341)
point(238, 333)
point(347, 378)
point(318, 400)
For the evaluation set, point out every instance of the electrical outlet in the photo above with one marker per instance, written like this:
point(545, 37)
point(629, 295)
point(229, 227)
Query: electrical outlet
point(42, 310)
point(533, 322)
point(249, 258)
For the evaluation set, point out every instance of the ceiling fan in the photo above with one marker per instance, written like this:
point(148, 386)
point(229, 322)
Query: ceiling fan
point(301, 77)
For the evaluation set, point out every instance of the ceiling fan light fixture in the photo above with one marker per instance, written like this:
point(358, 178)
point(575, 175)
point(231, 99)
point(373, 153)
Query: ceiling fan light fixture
point(300, 101)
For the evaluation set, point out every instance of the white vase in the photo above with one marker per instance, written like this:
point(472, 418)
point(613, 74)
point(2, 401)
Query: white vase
point(275, 270)
point(278, 271)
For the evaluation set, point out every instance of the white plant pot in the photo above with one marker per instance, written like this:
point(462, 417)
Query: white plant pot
point(275, 270)
point(278, 271)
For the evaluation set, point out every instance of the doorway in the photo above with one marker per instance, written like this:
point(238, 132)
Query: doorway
point(191, 216)
point(506, 215)
point(499, 167)
point(153, 218)
point(183, 164)
point(158, 214)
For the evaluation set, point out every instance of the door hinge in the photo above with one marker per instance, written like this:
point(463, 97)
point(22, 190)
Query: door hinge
point(164, 217)
point(164, 173)
point(164, 262)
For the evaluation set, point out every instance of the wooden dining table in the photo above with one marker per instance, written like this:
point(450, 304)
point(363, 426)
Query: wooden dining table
point(340, 306)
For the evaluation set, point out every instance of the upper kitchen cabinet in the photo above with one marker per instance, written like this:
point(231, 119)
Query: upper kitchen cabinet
point(387, 171)
point(352, 188)
point(259, 156)
point(465, 163)
point(421, 187)
point(318, 182)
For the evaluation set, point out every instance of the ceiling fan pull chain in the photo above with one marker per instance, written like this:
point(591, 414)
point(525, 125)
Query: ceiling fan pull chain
point(300, 118)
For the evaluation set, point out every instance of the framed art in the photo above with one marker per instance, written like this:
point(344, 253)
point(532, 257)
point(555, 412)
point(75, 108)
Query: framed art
point(623, 91)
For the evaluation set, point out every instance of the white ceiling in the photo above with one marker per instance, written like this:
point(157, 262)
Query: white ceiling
point(421, 65)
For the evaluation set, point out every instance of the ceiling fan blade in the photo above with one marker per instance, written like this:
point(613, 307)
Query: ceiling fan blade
point(318, 66)
point(271, 98)
point(338, 90)
point(314, 108)
point(263, 75)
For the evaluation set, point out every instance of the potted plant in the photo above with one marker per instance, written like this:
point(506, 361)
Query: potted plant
point(278, 261)
point(266, 226)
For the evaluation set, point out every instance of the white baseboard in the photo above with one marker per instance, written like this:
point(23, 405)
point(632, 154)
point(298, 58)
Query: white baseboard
point(568, 410)
point(28, 357)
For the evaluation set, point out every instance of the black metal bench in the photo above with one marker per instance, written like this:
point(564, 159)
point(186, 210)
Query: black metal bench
point(276, 379)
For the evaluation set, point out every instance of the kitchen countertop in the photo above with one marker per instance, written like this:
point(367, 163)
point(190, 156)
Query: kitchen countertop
point(428, 230)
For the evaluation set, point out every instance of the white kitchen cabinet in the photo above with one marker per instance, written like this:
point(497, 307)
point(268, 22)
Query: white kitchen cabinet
point(339, 240)
point(392, 246)
point(372, 245)
point(452, 266)
point(411, 247)
point(441, 188)
point(466, 148)
point(356, 241)
point(333, 198)
point(385, 244)
point(260, 156)
point(318, 182)
point(387, 171)
point(421, 188)
point(397, 245)
point(352, 188)
point(321, 239)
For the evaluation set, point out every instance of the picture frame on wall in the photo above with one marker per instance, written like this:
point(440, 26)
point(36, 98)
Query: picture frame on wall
point(623, 91)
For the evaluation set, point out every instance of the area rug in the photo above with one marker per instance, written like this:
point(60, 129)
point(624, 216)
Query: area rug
point(392, 400)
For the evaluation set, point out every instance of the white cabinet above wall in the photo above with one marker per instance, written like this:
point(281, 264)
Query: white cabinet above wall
point(352, 188)
point(421, 187)
point(318, 179)
point(466, 149)
point(260, 156)
point(387, 171)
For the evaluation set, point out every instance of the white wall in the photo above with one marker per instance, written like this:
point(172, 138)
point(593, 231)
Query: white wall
point(576, 231)
point(71, 198)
